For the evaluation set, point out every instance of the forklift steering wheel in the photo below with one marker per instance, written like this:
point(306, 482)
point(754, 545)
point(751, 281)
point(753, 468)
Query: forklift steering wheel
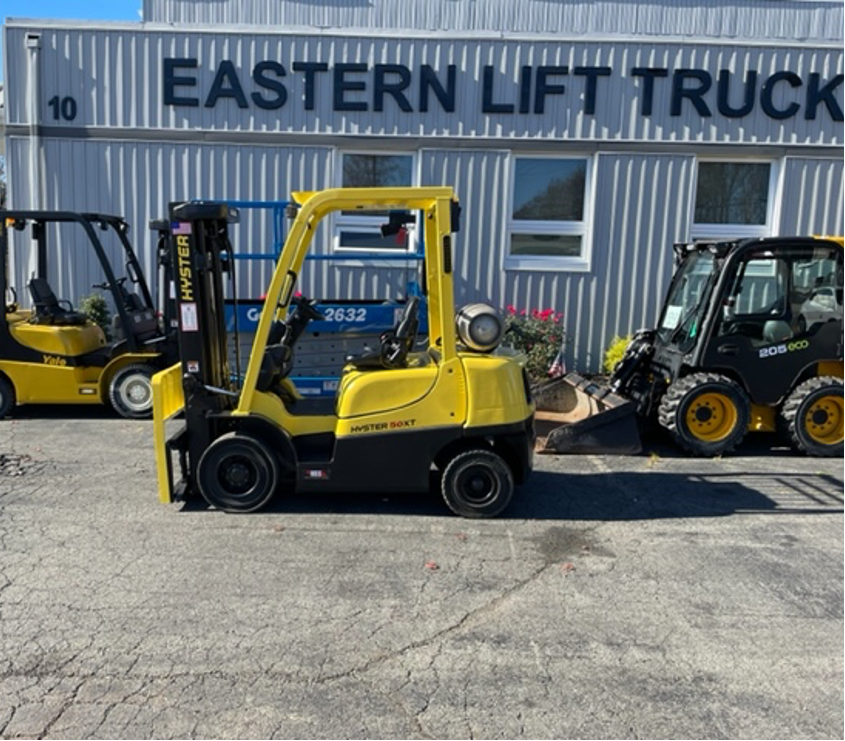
point(307, 308)
point(104, 286)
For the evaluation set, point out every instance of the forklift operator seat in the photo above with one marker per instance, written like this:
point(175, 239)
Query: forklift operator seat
point(49, 310)
point(395, 344)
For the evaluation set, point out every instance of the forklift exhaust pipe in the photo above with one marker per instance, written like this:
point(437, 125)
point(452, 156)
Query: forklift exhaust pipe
point(576, 415)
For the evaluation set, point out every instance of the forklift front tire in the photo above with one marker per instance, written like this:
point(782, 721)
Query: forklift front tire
point(477, 483)
point(812, 416)
point(707, 413)
point(7, 397)
point(237, 473)
point(131, 391)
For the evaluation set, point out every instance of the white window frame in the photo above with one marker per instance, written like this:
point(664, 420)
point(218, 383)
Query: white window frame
point(582, 229)
point(704, 231)
point(361, 223)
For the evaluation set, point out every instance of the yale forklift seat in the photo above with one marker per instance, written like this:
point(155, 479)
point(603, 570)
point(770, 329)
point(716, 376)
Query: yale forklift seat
point(49, 310)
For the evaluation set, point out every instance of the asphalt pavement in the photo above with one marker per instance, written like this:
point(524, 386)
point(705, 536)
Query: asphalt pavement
point(655, 596)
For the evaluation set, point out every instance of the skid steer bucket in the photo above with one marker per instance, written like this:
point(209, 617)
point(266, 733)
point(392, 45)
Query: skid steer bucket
point(576, 415)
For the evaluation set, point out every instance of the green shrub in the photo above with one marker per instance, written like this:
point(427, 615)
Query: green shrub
point(538, 334)
point(97, 309)
point(614, 353)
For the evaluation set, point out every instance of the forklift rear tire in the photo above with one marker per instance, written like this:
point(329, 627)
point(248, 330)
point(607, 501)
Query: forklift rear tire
point(131, 391)
point(237, 473)
point(7, 397)
point(812, 417)
point(707, 413)
point(477, 483)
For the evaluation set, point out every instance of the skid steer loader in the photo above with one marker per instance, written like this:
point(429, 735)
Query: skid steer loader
point(52, 354)
point(749, 339)
point(457, 409)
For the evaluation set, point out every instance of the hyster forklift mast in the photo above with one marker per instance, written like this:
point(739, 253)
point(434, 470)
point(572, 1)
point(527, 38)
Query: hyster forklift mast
point(458, 408)
point(749, 339)
point(201, 257)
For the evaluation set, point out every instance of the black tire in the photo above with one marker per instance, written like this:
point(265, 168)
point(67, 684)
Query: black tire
point(131, 391)
point(7, 397)
point(812, 417)
point(477, 483)
point(706, 413)
point(237, 473)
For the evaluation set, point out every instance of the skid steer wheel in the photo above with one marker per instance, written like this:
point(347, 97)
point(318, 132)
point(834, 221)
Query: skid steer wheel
point(7, 397)
point(706, 413)
point(812, 415)
point(237, 473)
point(131, 391)
point(477, 483)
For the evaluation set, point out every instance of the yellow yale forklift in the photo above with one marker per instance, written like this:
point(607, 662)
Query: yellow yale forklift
point(455, 407)
point(52, 354)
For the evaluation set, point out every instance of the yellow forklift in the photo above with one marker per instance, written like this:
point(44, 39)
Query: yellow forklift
point(51, 353)
point(457, 407)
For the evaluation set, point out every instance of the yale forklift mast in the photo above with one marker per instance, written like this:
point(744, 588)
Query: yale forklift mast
point(52, 354)
point(456, 409)
point(749, 339)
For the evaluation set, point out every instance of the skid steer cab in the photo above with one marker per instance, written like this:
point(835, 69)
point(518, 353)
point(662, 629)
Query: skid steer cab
point(52, 353)
point(451, 408)
point(749, 339)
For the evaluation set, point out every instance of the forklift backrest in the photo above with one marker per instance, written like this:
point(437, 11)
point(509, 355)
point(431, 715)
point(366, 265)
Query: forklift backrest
point(143, 323)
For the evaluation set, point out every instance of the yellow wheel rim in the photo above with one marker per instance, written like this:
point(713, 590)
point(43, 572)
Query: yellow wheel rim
point(712, 417)
point(823, 420)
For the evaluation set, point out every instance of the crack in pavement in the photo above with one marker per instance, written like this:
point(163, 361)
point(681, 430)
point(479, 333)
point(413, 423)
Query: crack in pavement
point(468, 620)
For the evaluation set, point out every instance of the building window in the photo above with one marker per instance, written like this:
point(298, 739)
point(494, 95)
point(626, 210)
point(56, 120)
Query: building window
point(377, 170)
point(733, 199)
point(546, 228)
point(357, 231)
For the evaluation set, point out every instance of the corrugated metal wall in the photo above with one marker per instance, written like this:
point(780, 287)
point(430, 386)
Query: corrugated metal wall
point(126, 91)
point(138, 179)
point(641, 206)
point(813, 196)
point(749, 19)
point(644, 202)
point(126, 152)
point(479, 179)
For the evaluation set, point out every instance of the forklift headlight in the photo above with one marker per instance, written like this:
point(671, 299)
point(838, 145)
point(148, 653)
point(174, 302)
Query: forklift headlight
point(480, 327)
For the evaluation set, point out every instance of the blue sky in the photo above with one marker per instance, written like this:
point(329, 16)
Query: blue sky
point(112, 10)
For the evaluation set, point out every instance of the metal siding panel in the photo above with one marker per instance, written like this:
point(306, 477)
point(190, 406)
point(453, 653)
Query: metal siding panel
point(113, 93)
point(478, 178)
point(641, 209)
point(753, 19)
point(138, 180)
point(813, 196)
